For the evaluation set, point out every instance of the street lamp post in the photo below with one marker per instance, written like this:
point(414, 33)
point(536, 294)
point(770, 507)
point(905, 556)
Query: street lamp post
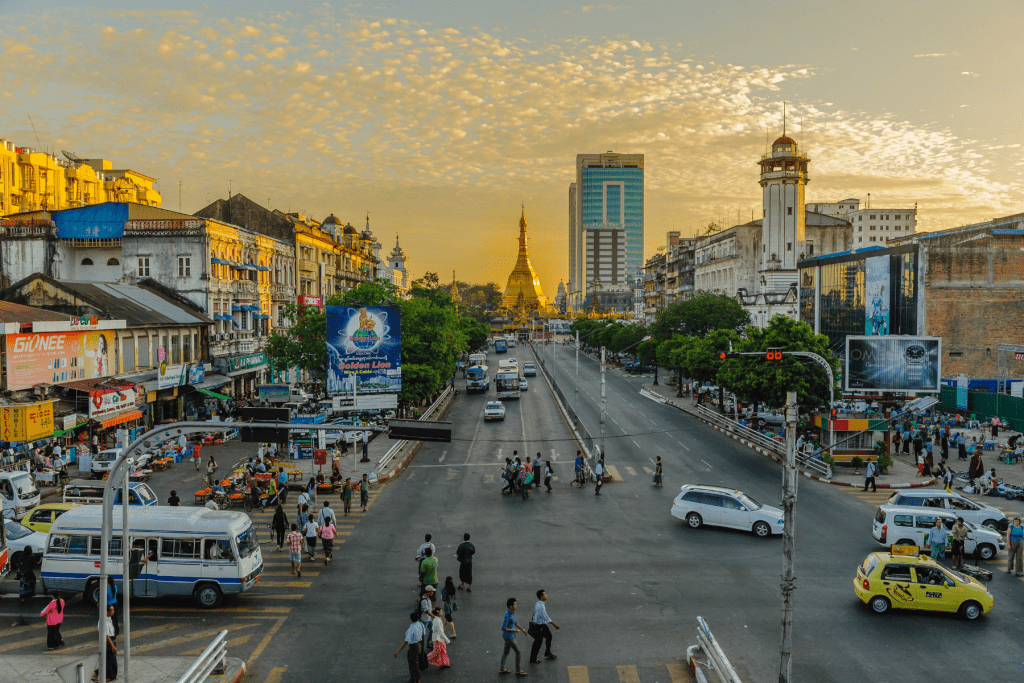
point(604, 401)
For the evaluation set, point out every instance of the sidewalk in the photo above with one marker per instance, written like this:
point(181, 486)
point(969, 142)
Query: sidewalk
point(53, 668)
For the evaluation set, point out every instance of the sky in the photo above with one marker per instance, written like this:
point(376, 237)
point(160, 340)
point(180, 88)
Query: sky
point(439, 118)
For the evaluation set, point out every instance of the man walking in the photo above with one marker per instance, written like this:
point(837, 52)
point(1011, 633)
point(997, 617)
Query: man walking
point(107, 626)
point(414, 636)
point(295, 549)
point(508, 633)
point(539, 629)
point(599, 475)
point(364, 492)
point(869, 476)
point(658, 473)
point(960, 534)
point(326, 515)
point(536, 471)
point(578, 469)
point(1015, 545)
point(938, 537)
point(464, 554)
point(428, 570)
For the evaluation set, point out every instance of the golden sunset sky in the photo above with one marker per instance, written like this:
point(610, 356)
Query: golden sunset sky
point(439, 118)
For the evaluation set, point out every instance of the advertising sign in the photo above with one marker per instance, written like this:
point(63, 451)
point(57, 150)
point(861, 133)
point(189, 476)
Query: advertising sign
point(196, 373)
point(254, 360)
point(306, 300)
point(893, 363)
point(364, 349)
point(170, 376)
point(876, 288)
point(26, 423)
point(962, 384)
point(106, 402)
point(57, 357)
point(375, 402)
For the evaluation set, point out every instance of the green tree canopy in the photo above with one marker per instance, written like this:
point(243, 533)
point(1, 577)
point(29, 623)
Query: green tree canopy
point(698, 316)
point(700, 360)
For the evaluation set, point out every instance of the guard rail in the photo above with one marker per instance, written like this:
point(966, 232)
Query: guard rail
point(804, 460)
point(716, 659)
point(210, 662)
point(446, 395)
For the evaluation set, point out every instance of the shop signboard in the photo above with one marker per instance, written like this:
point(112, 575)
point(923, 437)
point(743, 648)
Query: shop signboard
point(364, 350)
point(26, 422)
point(962, 384)
point(171, 376)
point(249, 362)
point(876, 285)
point(319, 456)
point(306, 300)
point(69, 421)
point(893, 363)
point(104, 403)
point(196, 373)
point(57, 357)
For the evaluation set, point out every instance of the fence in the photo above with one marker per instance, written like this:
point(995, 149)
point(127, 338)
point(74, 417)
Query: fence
point(582, 433)
point(211, 661)
point(804, 460)
point(445, 397)
point(716, 659)
point(985, 405)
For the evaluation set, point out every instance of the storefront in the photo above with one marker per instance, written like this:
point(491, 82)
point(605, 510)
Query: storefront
point(113, 409)
point(246, 372)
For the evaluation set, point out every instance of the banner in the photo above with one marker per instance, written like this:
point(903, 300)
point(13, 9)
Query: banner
point(877, 291)
point(57, 357)
point(196, 373)
point(103, 403)
point(26, 423)
point(364, 348)
point(893, 364)
point(171, 376)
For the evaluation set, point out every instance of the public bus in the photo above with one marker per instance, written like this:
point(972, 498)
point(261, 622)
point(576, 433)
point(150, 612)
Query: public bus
point(500, 345)
point(507, 383)
point(175, 551)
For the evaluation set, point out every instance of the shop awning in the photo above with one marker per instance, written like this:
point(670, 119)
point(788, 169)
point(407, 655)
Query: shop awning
point(220, 261)
point(214, 394)
point(122, 418)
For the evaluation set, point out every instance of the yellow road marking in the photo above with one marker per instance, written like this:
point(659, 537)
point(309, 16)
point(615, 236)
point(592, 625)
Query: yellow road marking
point(275, 674)
point(284, 573)
point(488, 479)
point(578, 674)
point(39, 641)
point(451, 475)
point(614, 473)
point(627, 674)
point(135, 634)
point(286, 584)
point(677, 672)
point(648, 470)
point(234, 642)
point(628, 469)
point(266, 641)
point(170, 642)
point(274, 596)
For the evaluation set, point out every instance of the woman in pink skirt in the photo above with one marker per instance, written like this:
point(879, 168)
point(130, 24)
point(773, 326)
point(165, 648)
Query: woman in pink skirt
point(439, 655)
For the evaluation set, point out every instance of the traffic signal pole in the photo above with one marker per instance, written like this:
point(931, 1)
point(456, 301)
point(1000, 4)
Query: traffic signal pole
point(788, 540)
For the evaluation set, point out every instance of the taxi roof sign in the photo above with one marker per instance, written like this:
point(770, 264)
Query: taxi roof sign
point(906, 551)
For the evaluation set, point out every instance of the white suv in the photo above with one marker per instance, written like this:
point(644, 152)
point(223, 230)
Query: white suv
point(912, 525)
point(974, 512)
point(717, 506)
point(529, 369)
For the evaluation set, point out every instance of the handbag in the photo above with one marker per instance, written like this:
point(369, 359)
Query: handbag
point(532, 630)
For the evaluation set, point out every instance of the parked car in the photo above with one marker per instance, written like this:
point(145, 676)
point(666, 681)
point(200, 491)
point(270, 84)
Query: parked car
point(912, 525)
point(494, 410)
point(638, 368)
point(718, 506)
point(42, 516)
point(972, 511)
point(20, 537)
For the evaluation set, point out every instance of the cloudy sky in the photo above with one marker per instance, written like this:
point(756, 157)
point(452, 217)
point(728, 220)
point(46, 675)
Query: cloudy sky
point(440, 117)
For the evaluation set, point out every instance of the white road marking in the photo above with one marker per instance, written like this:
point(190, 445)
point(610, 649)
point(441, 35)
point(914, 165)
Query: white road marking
point(634, 443)
point(499, 457)
point(707, 463)
point(441, 459)
point(683, 445)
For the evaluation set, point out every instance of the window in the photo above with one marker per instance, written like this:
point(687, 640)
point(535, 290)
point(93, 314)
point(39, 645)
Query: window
point(872, 238)
point(860, 218)
point(184, 266)
point(860, 228)
point(711, 499)
point(810, 247)
point(113, 549)
point(87, 262)
point(897, 216)
point(872, 227)
point(903, 520)
point(179, 548)
point(789, 210)
point(113, 262)
point(144, 266)
point(730, 503)
point(789, 246)
point(872, 216)
point(896, 572)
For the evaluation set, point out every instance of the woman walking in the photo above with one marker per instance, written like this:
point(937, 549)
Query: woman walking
point(54, 613)
point(364, 492)
point(547, 474)
point(439, 655)
point(280, 525)
point(26, 576)
point(448, 603)
point(346, 495)
point(211, 471)
point(327, 532)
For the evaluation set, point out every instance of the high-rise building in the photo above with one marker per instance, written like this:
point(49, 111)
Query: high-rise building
point(608, 193)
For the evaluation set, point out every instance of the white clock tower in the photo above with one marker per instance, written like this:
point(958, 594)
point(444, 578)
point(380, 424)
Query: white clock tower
point(783, 178)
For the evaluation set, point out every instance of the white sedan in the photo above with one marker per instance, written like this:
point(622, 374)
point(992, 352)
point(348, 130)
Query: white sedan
point(718, 506)
point(20, 537)
point(522, 384)
point(494, 410)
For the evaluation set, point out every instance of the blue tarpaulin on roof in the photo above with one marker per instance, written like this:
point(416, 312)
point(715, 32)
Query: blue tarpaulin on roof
point(101, 221)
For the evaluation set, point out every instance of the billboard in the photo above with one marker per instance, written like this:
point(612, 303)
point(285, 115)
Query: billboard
point(876, 289)
point(893, 363)
point(104, 403)
point(364, 348)
point(26, 422)
point(171, 376)
point(57, 357)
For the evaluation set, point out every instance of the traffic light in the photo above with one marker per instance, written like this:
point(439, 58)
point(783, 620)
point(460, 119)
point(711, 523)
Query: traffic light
point(773, 355)
point(727, 354)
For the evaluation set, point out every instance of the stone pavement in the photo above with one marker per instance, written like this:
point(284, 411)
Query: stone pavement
point(54, 667)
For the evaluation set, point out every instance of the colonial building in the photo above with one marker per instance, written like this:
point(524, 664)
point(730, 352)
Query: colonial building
point(871, 225)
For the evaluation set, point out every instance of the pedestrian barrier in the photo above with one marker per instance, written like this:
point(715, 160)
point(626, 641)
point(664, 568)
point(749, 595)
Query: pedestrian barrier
point(210, 662)
point(715, 661)
point(445, 397)
point(582, 434)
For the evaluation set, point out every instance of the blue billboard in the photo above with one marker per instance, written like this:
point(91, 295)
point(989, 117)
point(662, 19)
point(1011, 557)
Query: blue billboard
point(364, 347)
point(876, 307)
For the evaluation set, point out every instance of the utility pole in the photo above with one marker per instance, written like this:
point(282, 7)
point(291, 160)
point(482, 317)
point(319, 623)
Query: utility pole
point(604, 401)
point(788, 540)
point(576, 397)
point(126, 586)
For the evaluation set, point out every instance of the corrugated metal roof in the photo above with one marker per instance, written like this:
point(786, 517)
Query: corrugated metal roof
point(16, 313)
point(135, 305)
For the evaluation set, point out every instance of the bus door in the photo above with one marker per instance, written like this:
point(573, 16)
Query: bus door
point(145, 569)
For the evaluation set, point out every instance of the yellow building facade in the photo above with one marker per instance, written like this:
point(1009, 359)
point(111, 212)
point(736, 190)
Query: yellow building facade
point(32, 181)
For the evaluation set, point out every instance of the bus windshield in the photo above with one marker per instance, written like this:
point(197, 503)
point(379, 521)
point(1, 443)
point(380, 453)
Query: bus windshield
point(247, 543)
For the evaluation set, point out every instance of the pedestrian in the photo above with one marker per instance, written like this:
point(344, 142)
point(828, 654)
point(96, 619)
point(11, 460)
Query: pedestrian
point(599, 476)
point(539, 629)
point(112, 599)
point(364, 492)
point(1015, 547)
point(937, 539)
point(464, 554)
point(346, 495)
point(302, 502)
point(960, 534)
point(174, 501)
point(280, 525)
point(282, 485)
point(426, 609)
point(311, 490)
point(947, 479)
point(295, 549)
point(449, 603)
point(311, 530)
point(547, 474)
point(211, 471)
point(54, 613)
point(536, 471)
point(439, 655)
point(869, 476)
point(428, 570)
point(107, 629)
point(657, 473)
point(414, 637)
point(995, 426)
point(326, 515)
point(327, 533)
point(578, 469)
point(508, 633)
point(26, 575)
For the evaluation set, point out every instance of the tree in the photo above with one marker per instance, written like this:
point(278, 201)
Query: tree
point(474, 332)
point(429, 280)
point(303, 345)
point(375, 292)
point(698, 316)
point(701, 362)
point(627, 336)
point(753, 378)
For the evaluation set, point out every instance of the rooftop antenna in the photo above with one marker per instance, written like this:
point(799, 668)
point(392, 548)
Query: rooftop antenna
point(179, 196)
point(783, 118)
point(229, 188)
point(38, 144)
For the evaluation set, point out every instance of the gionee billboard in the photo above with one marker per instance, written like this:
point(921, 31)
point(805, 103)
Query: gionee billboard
point(58, 357)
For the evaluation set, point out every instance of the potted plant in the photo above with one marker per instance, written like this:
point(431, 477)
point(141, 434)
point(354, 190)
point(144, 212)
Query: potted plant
point(857, 463)
point(884, 459)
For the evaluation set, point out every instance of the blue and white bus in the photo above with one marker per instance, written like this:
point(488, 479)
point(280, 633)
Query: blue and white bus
point(182, 551)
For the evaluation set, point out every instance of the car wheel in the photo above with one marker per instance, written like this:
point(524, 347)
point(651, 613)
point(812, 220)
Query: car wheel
point(903, 541)
point(992, 523)
point(91, 594)
point(985, 551)
point(16, 559)
point(694, 520)
point(971, 610)
point(762, 529)
point(208, 595)
point(879, 604)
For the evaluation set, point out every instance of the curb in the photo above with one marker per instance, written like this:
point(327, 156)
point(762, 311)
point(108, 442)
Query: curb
point(909, 485)
point(412, 452)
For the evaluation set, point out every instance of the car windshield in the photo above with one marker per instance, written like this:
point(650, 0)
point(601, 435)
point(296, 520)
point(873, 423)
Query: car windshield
point(247, 543)
point(960, 578)
point(145, 494)
point(749, 502)
point(23, 483)
point(14, 531)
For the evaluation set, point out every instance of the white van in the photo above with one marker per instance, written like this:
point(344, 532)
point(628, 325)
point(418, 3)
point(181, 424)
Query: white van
point(103, 462)
point(179, 551)
point(903, 525)
point(973, 512)
point(18, 493)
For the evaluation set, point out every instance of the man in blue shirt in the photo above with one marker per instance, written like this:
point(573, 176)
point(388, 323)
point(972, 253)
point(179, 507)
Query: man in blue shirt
point(508, 633)
point(414, 636)
point(541, 632)
point(579, 469)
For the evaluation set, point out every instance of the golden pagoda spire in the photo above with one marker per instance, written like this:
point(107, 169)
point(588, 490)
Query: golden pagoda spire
point(523, 281)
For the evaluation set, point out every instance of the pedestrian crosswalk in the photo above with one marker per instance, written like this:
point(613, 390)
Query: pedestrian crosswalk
point(676, 672)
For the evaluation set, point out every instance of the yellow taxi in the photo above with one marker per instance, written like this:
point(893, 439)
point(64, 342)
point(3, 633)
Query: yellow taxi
point(903, 579)
point(42, 516)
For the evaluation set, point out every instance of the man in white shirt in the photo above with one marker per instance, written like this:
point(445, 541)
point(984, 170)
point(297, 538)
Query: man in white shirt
point(326, 514)
point(599, 475)
point(539, 629)
point(109, 632)
point(422, 552)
